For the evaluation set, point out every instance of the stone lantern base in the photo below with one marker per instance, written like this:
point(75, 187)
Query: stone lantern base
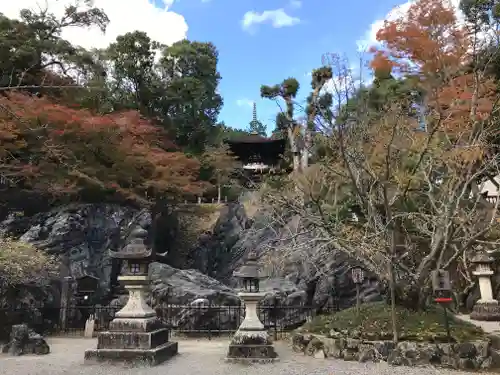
point(251, 343)
point(486, 311)
point(133, 341)
point(136, 336)
point(247, 347)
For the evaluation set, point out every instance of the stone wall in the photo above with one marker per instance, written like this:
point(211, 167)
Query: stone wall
point(477, 355)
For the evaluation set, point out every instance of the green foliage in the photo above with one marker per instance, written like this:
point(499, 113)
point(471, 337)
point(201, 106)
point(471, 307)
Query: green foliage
point(374, 323)
point(281, 124)
point(286, 89)
point(34, 43)
point(257, 127)
point(481, 12)
point(191, 100)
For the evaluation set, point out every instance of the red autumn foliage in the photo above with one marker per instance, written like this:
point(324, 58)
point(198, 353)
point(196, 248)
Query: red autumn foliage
point(432, 46)
point(58, 149)
point(427, 39)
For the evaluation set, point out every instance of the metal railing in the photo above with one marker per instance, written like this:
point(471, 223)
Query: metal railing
point(200, 321)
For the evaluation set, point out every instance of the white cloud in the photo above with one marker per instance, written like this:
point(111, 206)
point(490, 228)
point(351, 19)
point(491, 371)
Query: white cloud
point(370, 37)
point(277, 18)
point(160, 24)
point(295, 4)
point(244, 103)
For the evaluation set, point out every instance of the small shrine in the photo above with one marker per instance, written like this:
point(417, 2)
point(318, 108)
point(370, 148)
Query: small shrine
point(135, 335)
point(487, 307)
point(251, 343)
point(86, 287)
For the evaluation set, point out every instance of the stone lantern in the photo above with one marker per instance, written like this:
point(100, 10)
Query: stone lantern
point(486, 308)
point(135, 335)
point(251, 343)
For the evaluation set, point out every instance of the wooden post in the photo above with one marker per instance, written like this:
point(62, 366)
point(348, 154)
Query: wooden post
point(358, 302)
point(65, 280)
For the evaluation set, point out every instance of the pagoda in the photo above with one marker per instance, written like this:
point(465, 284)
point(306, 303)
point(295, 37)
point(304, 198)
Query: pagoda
point(258, 154)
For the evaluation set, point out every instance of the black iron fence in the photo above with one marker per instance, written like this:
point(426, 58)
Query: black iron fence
point(191, 320)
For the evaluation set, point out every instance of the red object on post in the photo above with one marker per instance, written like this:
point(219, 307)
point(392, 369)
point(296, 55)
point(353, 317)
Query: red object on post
point(443, 300)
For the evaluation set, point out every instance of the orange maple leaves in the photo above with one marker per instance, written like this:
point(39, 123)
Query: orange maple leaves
point(435, 49)
point(70, 148)
point(428, 39)
point(431, 45)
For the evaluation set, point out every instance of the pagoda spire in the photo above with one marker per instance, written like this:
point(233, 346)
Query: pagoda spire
point(255, 126)
point(254, 113)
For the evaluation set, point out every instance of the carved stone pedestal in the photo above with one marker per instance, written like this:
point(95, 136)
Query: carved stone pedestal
point(487, 311)
point(135, 336)
point(252, 342)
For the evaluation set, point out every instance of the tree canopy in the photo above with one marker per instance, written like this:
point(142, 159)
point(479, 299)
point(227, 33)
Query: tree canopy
point(129, 121)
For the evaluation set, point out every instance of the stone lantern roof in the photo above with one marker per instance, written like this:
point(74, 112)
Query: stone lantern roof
point(250, 269)
point(482, 258)
point(136, 249)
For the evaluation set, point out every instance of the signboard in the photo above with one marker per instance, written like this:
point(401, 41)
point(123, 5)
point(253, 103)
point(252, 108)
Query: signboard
point(440, 281)
point(357, 275)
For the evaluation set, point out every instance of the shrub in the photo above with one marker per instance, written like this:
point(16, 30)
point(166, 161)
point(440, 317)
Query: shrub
point(23, 263)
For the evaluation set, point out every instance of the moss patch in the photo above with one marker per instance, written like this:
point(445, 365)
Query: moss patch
point(374, 323)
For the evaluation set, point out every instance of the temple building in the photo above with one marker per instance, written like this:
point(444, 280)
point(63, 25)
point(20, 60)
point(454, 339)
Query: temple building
point(258, 154)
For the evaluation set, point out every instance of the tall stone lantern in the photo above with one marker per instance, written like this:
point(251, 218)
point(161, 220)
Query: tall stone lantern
point(135, 335)
point(486, 308)
point(251, 343)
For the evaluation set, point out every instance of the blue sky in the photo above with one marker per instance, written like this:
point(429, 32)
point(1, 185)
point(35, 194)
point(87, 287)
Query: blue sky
point(266, 54)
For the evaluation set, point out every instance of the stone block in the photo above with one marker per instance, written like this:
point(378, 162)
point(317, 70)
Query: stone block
point(486, 312)
point(467, 356)
point(134, 357)
point(135, 325)
point(251, 353)
point(132, 340)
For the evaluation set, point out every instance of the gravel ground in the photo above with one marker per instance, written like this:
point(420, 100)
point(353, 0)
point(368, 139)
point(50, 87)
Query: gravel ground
point(196, 357)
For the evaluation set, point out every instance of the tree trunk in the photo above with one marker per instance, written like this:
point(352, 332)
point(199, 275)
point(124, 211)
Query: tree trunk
point(392, 287)
point(218, 193)
point(294, 149)
point(392, 256)
point(305, 149)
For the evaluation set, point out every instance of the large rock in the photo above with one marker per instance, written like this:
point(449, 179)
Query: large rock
point(216, 250)
point(181, 287)
point(302, 271)
point(192, 301)
point(25, 341)
point(81, 233)
point(84, 233)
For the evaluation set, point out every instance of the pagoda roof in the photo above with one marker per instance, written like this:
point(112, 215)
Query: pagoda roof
point(253, 138)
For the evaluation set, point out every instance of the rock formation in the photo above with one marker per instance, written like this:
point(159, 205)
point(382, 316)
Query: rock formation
point(25, 341)
point(85, 233)
point(307, 277)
